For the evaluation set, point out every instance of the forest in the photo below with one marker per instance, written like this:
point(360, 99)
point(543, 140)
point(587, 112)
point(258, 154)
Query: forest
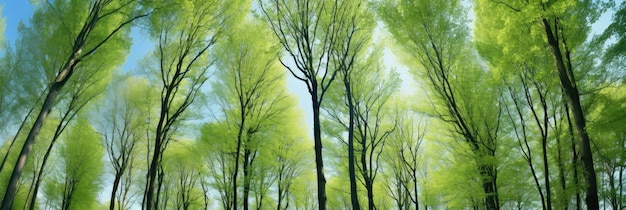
point(314, 104)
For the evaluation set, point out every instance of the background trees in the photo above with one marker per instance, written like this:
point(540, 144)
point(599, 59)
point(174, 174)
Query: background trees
point(103, 19)
point(464, 113)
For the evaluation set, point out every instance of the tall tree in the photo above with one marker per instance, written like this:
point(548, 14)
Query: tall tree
point(530, 98)
point(89, 83)
point(356, 24)
point(562, 27)
point(103, 19)
point(307, 31)
point(250, 90)
point(181, 65)
point(374, 119)
point(436, 37)
point(122, 123)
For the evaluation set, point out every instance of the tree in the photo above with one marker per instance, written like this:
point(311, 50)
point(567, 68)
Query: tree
point(374, 122)
point(293, 162)
point(435, 37)
point(219, 156)
point(184, 177)
point(78, 181)
point(403, 158)
point(87, 87)
point(307, 32)
point(533, 103)
point(181, 66)
point(563, 27)
point(356, 23)
point(250, 91)
point(122, 121)
point(89, 39)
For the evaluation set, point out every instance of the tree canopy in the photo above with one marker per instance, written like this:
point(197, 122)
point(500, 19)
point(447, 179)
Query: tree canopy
point(313, 104)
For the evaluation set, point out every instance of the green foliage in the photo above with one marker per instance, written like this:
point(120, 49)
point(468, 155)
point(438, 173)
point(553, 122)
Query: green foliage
point(616, 50)
point(77, 181)
point(472, 74)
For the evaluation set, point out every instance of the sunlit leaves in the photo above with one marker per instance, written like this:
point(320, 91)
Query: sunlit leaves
point(76, 183)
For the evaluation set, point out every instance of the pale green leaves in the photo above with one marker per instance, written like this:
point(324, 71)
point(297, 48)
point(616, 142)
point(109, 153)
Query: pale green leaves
point(77, 180)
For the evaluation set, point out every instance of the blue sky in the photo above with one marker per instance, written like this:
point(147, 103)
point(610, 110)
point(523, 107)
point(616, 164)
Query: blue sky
point(14, 12)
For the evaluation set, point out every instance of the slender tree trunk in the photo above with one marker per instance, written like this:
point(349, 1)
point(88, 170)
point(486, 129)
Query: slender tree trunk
point(417, 203)
point(364, 172)
point(571, 93)
point(541, 195)
point(159, 140)
point(30, 190)
point(38, 178)
point(563, 201)
point(352, 173)
point(621, 187)
point(246, 178)
point(613, 191)
point(157, 196)
point(546, 169)
point(204, 195)
point(116, 184)
point(280, 194)
point(317, 137)
point(237, 154)
point(59, 129)
point(574, 155)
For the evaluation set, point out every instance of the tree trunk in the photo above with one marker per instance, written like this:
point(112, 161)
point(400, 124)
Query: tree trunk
point(571, 93)
point(546, 169)
point(116, 184)
point(159, 140)
point(246, 178)
point(563, 201)
point(417, 203)
point(621, 184)
point(30, 111)
point(57, 133)
point(40, 173)
point(152, 170)
point(369, 182)
point(280, 193)
point(574, 156)
point(319, 161)
point(369, 186)
point(489, 186)
point(11, 189)
point(352, 173)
